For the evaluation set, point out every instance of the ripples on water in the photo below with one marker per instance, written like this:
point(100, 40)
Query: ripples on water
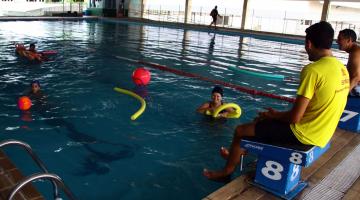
point(84, 132)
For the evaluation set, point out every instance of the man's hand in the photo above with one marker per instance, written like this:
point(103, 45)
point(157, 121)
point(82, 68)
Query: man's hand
point(269, 114)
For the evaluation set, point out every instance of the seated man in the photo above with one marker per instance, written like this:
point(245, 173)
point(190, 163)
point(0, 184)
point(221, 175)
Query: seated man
point(347, 42)
point(216, 96)
point(321, 99)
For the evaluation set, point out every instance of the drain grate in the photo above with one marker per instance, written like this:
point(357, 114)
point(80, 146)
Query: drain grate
point(334, 185)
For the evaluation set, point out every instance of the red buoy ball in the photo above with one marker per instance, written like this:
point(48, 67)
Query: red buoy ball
point(24, 103)
point(141, 76)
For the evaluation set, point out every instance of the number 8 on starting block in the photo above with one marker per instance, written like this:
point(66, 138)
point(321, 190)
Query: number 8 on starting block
point(278, 168)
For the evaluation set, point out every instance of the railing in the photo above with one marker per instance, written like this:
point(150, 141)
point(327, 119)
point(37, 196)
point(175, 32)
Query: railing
point(52, 177)
point(164, 15)
point(256, 20)
point(39, 163)
point(285, 22)
point(20, 9)
point(62, 8)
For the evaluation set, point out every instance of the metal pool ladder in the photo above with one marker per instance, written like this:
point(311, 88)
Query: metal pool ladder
point(55, 179)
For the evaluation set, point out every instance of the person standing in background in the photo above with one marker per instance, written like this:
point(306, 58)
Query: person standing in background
point(347, 42)
point(214, 14)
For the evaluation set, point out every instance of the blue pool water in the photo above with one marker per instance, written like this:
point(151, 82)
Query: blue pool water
point(84, 133)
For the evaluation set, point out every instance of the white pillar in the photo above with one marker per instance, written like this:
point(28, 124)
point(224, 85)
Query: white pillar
point(188, 10)
point(243, 17)
point(143, 2)
point(325, 10)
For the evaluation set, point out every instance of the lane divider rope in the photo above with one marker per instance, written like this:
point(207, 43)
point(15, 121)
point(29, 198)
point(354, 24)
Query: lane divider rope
point(219, 82)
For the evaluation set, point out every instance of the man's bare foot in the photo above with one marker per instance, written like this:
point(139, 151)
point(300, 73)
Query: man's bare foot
point(224, 152)
point(216, 175)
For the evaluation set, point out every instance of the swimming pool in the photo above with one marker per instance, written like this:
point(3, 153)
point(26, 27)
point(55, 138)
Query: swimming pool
point(84, 132)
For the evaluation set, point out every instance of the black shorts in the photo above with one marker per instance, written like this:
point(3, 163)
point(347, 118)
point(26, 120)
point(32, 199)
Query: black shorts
point(275, 132)
point(214, 19)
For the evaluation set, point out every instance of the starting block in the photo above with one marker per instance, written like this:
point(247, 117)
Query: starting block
point(350, 119)
point(278, 168)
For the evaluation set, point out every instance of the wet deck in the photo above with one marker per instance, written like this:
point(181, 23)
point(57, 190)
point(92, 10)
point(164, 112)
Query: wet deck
point(335, 174)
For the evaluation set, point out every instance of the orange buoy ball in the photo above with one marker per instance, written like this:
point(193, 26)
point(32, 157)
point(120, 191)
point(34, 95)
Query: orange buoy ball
point(141, 76)
point(24, 103)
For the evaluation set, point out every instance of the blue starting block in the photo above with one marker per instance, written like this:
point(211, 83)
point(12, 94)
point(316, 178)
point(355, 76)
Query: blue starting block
point(350, 119)
point(278, 168)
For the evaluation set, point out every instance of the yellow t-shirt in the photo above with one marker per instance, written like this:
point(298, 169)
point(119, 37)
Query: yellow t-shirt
point(326, 83)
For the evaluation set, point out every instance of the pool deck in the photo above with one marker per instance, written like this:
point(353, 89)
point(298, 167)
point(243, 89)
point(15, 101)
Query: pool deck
point(325, 176)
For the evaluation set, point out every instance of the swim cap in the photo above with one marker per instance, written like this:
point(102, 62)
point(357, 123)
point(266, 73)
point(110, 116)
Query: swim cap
point(218, 89)
point(35, 81)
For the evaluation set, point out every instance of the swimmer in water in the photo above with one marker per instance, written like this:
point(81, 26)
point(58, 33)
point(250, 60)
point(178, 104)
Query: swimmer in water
point(216, 101)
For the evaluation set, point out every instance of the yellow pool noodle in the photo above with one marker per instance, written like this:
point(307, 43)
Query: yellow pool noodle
point(143, 103)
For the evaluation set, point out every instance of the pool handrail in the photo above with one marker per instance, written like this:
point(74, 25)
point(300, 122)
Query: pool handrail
point(37, 160)
point(53, 178)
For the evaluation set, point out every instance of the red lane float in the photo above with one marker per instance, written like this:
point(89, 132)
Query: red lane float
point(226, 84)
point(230, 85)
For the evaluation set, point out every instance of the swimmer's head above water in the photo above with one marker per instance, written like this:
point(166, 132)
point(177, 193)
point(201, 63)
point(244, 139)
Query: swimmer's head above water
point(217, 94)
point(35, 86)
point(32, 47)
point(218, 89)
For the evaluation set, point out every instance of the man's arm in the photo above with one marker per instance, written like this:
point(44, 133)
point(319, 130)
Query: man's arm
point(354, 68)
point(292, 116)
